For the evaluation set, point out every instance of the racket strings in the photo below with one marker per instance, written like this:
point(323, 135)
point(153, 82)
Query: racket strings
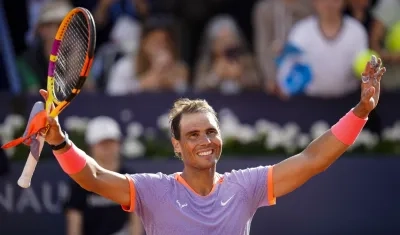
point(71, 56)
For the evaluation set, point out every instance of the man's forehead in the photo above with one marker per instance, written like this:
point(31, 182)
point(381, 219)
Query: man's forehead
point(203, 120)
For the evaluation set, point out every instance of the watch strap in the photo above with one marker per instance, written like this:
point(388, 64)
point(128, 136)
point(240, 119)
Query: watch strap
point(62, 145)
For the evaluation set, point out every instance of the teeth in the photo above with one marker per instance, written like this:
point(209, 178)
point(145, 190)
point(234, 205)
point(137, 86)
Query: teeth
point(205, 153)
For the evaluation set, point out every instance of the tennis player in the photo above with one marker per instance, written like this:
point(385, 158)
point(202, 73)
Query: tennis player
point(199, 200)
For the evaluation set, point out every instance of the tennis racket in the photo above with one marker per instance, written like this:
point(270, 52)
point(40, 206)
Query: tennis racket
point(69, 65)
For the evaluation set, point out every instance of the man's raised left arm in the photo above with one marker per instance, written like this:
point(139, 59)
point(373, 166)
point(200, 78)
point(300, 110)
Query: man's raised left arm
point(326, 149)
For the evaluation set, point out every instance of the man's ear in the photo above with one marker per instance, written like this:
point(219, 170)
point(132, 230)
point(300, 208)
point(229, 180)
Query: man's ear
point(176, 145)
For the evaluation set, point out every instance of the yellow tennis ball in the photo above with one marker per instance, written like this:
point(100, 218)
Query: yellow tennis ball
point(361, 61)
point(392, 38)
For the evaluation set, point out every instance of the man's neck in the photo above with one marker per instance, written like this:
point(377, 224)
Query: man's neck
point(330, 21)
point(201, 181)
point(331, 25)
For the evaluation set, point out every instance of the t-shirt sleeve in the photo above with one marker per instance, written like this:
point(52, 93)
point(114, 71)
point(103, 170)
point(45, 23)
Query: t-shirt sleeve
point(76, 198)
point(258, 184)
point(146, 190)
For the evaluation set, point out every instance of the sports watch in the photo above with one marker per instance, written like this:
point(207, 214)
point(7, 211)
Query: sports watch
point(63, 144)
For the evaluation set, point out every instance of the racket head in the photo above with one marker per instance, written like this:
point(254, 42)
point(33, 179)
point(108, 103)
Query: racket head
point(71, 58)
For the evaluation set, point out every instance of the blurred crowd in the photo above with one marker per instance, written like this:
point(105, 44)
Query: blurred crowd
point(227, 46)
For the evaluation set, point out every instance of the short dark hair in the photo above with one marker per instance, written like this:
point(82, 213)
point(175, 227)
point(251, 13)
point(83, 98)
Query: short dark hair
point(185, 105)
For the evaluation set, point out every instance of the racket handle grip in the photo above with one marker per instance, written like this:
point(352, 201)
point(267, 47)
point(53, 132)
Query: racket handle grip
point(24, 180)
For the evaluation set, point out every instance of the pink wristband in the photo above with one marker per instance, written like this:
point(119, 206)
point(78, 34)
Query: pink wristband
point(72, 161)
point(347, 129)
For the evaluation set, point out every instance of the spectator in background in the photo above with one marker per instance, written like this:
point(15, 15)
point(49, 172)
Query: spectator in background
point(361, 10)
point(33, 63)
point(331, 43)
point(156, 67)
point(87, 213)
point(272, 22)
point(33, 14)
point(110, 13)
point(125, 38)
point(225, 63)
point(386, 14)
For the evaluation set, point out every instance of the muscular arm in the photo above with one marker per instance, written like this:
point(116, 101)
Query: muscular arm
point(293, 172)
point(108, 184)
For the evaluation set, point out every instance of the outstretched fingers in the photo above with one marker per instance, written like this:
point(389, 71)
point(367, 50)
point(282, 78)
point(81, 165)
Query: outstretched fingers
point(380, 73)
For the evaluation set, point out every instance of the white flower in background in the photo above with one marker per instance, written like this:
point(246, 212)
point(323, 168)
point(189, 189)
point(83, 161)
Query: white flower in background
point(246, 134)
point(263, 126)
point(132, 148)
point(288, 137)
point(11, 124)
point(126, 115)
point(303, 140)
point(75, 123)
point(15, 121)
point(289, 134)
point(134, 130)
point(7, 132)
point(366, 139)
point(396, 131)
point(163, 122)
point(274, 139)
point(369, 139)
point(389, 134)
point(397, 127)
point(319, 128)
point(291, 129)
point(229, 124)
point(392, 133)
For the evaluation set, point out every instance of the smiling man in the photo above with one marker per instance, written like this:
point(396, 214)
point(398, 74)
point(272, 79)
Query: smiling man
point(199, 200)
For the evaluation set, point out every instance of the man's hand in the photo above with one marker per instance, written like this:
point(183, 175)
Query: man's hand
point(54, 135)
point(370, 87)
point(293, 172)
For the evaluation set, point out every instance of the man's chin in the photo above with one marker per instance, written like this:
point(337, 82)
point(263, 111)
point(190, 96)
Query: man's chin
point(207, 161)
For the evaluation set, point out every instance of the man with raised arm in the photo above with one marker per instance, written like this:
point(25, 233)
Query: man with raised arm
point(199, 200)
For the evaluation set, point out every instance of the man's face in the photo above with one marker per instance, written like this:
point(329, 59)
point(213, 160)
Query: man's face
point(200, 144)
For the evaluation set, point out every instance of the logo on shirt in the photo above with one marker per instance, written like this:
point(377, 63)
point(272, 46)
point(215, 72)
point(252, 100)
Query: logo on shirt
point(223, 203)
point(181, 205)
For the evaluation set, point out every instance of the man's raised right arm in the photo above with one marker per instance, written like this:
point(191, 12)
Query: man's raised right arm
point(85, 171)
